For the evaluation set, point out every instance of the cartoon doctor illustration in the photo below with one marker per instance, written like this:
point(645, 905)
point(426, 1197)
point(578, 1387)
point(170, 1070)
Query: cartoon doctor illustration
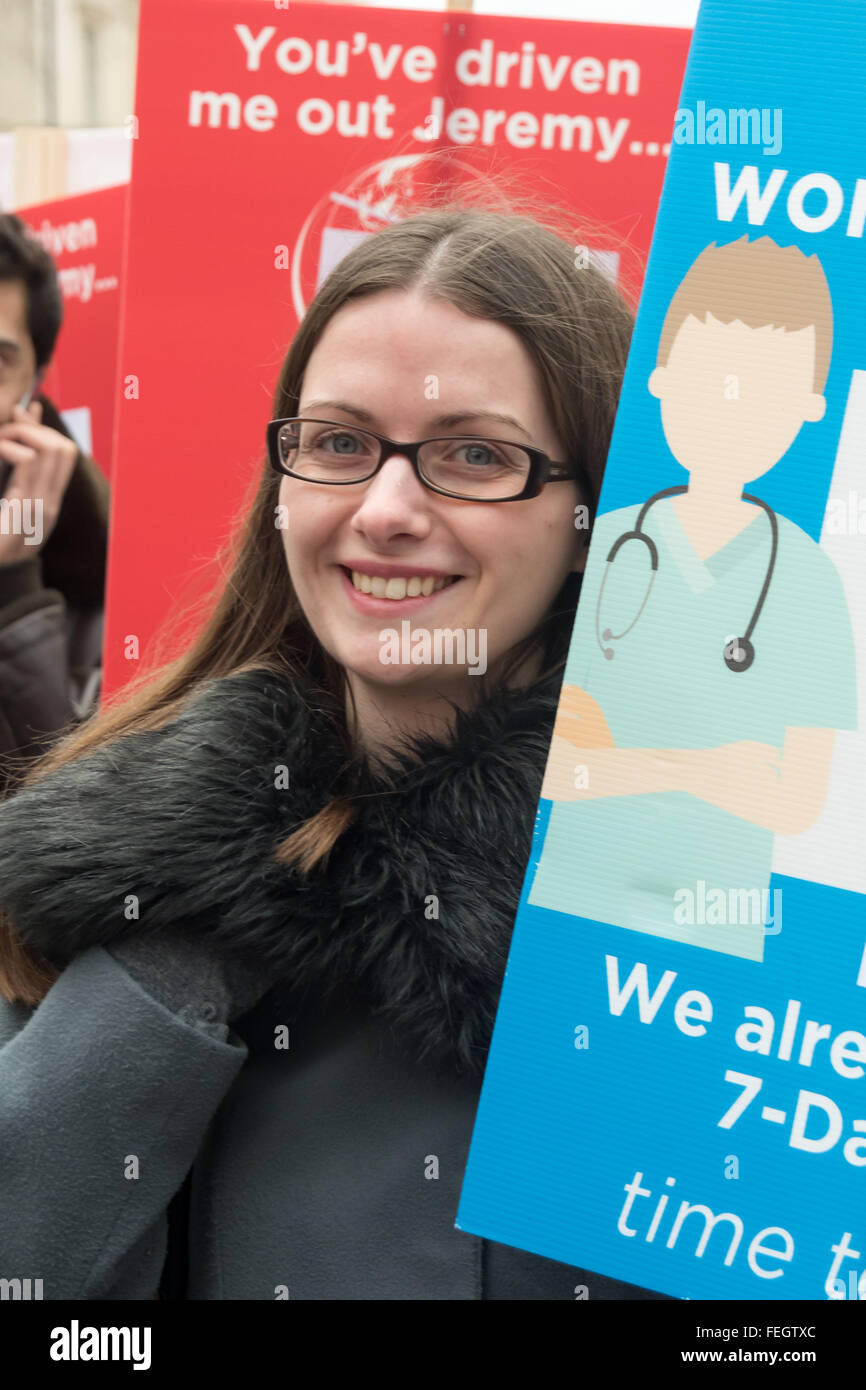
point(712, 658)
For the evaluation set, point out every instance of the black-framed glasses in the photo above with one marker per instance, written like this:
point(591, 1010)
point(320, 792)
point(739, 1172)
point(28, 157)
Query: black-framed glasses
point(470, 467)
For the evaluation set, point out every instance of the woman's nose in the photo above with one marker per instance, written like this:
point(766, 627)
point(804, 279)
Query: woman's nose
point(394, 500)
point(396, 484)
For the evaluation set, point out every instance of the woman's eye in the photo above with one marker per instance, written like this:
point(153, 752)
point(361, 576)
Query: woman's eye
point(478, 455)
point(340, 443)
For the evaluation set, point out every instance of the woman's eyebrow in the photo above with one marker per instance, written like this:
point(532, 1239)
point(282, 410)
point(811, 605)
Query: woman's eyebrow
point(449, 421)
point(460, 417)
point(366, 415)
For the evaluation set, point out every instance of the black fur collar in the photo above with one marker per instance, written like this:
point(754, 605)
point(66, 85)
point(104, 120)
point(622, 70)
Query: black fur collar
point(186, 819)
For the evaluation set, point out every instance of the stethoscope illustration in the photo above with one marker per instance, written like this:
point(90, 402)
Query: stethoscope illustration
point(739, 652)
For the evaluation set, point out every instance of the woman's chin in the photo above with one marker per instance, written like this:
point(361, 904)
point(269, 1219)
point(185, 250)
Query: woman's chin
point(397, 675)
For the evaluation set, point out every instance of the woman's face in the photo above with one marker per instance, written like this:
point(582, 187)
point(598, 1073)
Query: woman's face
point(412, 368)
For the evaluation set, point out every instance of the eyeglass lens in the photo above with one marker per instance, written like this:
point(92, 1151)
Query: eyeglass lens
point(471, 467)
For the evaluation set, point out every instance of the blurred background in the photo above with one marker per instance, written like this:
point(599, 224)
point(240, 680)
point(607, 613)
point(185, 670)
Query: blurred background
point(67, 81)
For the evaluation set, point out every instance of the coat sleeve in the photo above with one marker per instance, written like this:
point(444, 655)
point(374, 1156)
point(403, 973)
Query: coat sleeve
point(105, 1097)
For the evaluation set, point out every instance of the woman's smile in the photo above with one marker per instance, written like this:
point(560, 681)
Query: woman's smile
point(398, 549)
point(377, 589)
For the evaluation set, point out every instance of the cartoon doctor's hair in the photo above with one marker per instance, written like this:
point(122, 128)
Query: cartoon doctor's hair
point(759, 283)
point(506, 268)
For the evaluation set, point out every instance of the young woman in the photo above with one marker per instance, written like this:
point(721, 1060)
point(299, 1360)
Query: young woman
point(266, 901)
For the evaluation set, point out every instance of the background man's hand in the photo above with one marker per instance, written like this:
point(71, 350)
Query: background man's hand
point(43, 461)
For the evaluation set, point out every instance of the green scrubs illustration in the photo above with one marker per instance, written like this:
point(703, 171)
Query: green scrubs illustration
point(623, 859)
point(713, 645)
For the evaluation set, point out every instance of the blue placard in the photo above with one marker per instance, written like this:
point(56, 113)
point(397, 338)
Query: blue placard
point(676, 1089)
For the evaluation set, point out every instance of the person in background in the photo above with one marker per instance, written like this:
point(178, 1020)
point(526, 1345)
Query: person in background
point(53, 524)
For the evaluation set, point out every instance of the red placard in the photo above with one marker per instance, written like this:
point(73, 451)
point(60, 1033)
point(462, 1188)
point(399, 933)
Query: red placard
point(85, 235)
point(269, 141)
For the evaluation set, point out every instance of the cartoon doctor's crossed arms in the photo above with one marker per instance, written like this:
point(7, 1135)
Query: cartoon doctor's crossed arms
point(712, 658)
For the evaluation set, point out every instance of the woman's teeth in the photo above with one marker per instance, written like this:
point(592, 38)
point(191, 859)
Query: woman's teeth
point(413, 587)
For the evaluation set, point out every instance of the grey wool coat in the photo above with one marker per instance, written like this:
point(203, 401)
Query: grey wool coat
point(314, 1148)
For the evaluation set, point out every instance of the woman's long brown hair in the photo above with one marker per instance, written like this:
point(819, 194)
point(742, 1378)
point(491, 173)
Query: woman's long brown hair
point(510, 268)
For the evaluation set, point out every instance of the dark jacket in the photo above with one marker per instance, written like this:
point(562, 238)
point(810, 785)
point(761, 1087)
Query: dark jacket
point(51, 612)
point(326, 1169)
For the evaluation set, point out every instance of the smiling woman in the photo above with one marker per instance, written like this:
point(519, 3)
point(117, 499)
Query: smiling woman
point(374, 357)
point(321, 846)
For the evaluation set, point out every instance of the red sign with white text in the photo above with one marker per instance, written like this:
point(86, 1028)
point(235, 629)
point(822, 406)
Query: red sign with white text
point(85, 234)
point(270, 141)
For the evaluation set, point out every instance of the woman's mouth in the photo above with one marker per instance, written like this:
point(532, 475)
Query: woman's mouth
point(373, 591)
point(399, 586)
